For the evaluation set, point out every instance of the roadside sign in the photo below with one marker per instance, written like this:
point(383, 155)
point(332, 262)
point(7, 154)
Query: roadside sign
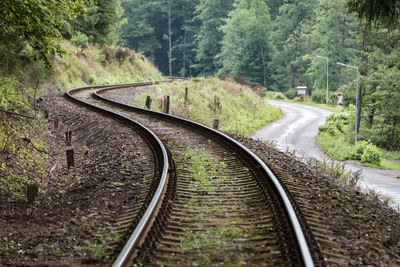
point(302, 92)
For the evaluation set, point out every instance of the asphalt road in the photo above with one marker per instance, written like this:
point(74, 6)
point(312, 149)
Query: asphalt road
point(297, 131)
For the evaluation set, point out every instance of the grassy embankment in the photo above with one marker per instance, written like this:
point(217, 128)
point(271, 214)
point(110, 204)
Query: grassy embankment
point(239, 109)
point(336, 139)
point(23, 160)
point(108, 65)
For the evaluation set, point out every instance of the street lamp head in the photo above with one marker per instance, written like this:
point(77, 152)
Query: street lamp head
point(322, 57)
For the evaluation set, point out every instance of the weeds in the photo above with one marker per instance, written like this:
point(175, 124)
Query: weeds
point(237, 107)
point(336, 170)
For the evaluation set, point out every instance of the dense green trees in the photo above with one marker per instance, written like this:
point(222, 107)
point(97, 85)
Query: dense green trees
point(246, 41)
point(37, 23)
point(212, 15)
point(101, 21)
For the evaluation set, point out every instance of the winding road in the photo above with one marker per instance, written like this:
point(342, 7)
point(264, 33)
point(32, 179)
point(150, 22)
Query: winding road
point(297, 131)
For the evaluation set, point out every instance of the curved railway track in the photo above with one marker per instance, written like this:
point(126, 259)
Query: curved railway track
point(221, 205)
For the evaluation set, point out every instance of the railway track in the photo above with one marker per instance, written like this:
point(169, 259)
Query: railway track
point(221, 205)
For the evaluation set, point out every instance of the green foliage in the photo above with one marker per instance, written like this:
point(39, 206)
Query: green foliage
point(335, 124)
point(80, 40)
point(246, 44)
point(75, 70)
point(37, 23)
point(10, 97)
point(332, 140)
point(334, 35)
point(318, 96)
point(372, 155)
point(275, 95)
point(239, 109)
point(147, 32)
point(367, 153)
point(101, 22)
point(203, 169)
point(359, 149)
point(211, 14)
point(291, 94)
point(20, 144)
point(384, 11)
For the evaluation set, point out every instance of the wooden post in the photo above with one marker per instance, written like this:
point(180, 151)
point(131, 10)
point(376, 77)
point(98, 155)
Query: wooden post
point(70, 158)
point(148, 102)
point(216, 124)
point(32, 193)
point(186, 95)
point(166, 104)
point(46, 114)
point(68, 137)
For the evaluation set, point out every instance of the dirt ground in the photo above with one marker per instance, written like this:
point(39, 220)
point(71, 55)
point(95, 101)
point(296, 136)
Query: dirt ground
point(71, 224)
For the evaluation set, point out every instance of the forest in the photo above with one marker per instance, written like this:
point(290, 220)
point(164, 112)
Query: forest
point(274, 44)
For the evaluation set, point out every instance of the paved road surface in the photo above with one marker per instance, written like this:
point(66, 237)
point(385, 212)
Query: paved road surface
point(298, 129)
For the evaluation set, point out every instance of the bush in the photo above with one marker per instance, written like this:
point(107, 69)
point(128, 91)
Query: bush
point(291, 93)
point(329, 127)
point(318, 96)
point(275, 95)
point(372, 155)
point(92, 79)
point(367, 153)
point(80, 39)
point(359, 149)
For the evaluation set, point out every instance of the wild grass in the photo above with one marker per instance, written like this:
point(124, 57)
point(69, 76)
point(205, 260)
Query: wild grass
point(239, 109)
point(100, 65)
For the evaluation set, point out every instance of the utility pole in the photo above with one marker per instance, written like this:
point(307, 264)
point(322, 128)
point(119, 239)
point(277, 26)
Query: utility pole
point(358, 105)
point(327, 77)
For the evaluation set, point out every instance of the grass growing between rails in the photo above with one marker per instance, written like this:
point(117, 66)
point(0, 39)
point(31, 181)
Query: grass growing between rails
point(209, 245)
point(335, 139)
point(239, 109)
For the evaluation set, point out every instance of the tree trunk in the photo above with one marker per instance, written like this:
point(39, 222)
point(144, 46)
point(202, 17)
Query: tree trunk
point(371, 116)
point(263, 62)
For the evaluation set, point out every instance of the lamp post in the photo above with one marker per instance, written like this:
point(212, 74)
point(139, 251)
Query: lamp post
point(327, 77)
point(356, 127)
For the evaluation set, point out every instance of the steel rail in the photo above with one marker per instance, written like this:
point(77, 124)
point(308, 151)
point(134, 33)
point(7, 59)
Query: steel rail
point(301, 241)
point(124, 256)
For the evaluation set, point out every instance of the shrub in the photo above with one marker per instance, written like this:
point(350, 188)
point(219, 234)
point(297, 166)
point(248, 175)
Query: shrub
point(291, 93)
point(359, 149)
point(372, 155)
point(339, 125)
point(318, 96)
point(275, 95)
point(329, 127)
point(80, 39)
point(92, 79)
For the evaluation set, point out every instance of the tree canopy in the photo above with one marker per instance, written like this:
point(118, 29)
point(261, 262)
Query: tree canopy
point(36, 22)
